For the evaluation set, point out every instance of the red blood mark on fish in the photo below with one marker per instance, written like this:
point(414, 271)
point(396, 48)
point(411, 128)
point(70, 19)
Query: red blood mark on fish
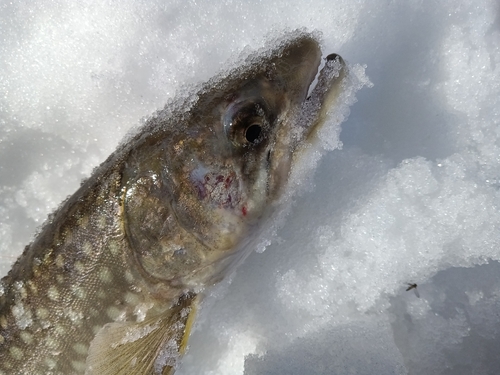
point(221, 189)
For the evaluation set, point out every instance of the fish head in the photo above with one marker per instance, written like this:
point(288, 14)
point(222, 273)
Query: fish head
point(205, 181)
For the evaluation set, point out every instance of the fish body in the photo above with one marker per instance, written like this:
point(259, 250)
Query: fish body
point(110, 284)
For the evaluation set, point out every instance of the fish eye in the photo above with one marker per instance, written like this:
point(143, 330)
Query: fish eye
point(245, 123)
point(252, 132)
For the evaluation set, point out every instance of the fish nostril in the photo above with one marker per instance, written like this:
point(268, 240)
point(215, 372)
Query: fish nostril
point(331, 56)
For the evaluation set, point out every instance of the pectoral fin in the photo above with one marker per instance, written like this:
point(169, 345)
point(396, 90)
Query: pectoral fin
point(153, 346)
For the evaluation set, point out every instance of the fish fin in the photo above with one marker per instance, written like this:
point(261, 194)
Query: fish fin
point(153, 346)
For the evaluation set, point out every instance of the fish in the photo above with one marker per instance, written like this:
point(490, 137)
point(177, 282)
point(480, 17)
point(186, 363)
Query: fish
point(112, 282)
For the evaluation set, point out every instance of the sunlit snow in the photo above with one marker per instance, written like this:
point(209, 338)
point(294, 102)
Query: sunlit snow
point(410, 195)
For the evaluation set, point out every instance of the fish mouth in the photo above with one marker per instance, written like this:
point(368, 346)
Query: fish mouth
point(328, 87)
point(313, 110)
point(307, 113)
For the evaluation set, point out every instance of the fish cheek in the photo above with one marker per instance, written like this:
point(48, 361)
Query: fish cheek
point(161, 247)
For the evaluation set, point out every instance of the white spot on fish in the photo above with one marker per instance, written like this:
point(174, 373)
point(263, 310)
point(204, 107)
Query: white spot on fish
point(60, 330)
point(33, 287)
point(87, 248)
point(80, 348)
point(68, 236)
point(51, 342)
point(83, 221)
point(115, 313)
point(79, 267)
point(78, 365)
point(59, 261)
point(78, 291)
point(36, 267)
point(114, 247)
point(101, 294)
point(20, 289)
point(22, 316)
point(51, 364)
point(132, 298)
point(42, 313)
point(105, 275)
point(75, 317)
point(101, 222)
point(53, 293)
point(129, 277)
point(16, 353)
point(93, 312)
point(26, 337)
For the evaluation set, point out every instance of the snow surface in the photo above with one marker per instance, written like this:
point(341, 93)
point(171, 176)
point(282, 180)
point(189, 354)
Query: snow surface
point(412, 196)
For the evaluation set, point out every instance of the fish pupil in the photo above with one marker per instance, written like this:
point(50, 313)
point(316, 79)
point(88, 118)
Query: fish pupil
point(252, 133)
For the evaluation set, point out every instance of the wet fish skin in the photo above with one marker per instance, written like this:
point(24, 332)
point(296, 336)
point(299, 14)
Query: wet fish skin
point(169, 213)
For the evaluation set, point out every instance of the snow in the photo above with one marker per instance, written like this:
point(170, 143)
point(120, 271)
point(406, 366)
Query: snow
point(411, 196)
